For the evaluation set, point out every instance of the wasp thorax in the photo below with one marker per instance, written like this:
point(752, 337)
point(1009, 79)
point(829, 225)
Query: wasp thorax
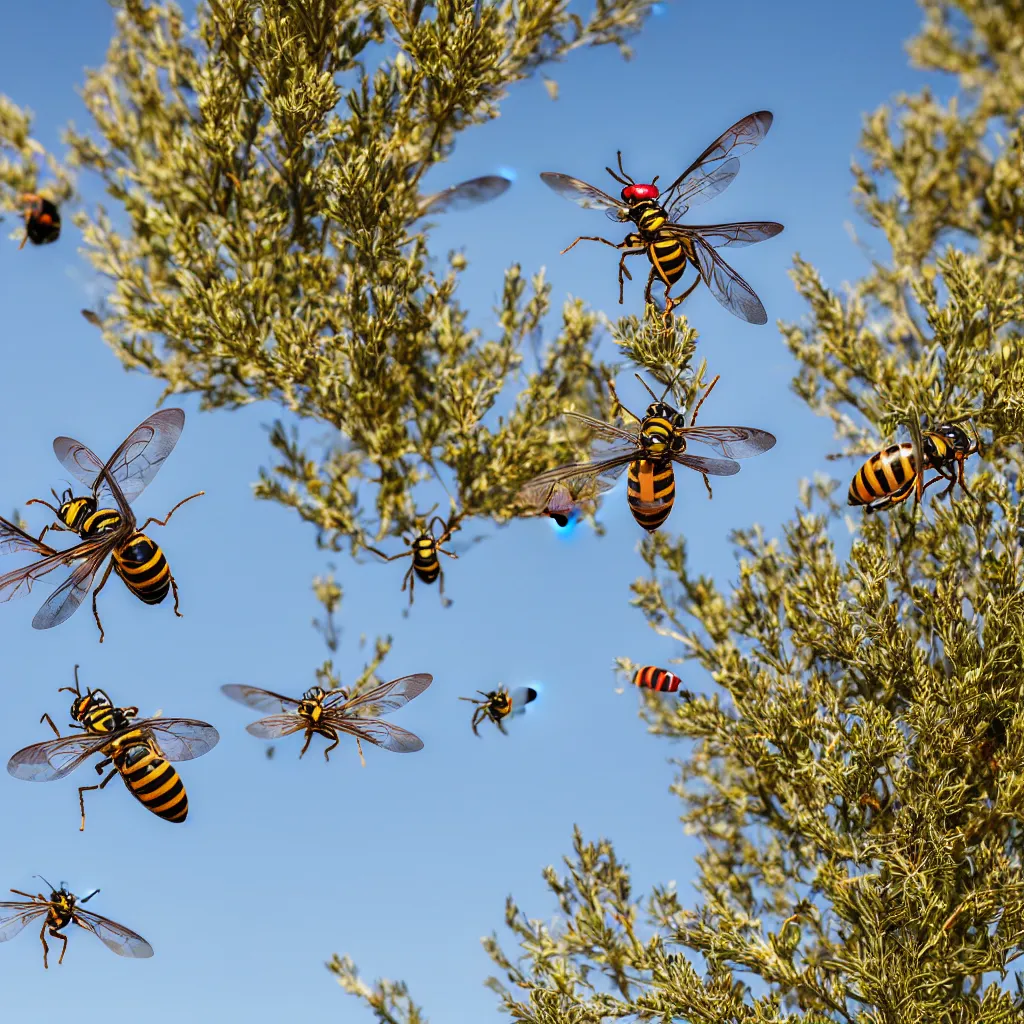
point(956, 436)
point(633, 193)
point(74, 510)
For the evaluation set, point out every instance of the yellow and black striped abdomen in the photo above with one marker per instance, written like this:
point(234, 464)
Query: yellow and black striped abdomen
point(425, 562)
point(150, 778)
point(888, 475)
point(103, 520)
point(651, 491)
point(668, 258)
point(143, 567)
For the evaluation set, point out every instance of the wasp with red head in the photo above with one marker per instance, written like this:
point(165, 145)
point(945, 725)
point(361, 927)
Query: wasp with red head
point(670, 246)
point(42, 220)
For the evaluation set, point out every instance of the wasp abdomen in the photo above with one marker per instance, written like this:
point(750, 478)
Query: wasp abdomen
point(143, 567)
point(152, 780)
point(651, 492)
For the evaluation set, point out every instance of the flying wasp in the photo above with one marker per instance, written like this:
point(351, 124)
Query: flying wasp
point(136, 559)
point(42, 220)
point(424, 548)
point(498, 704)
point(331, 712)
point(659, 440)
point(140, 751)
point(465, 195)
point(890, 476)
point(661, 680)
point(670, 246)
point(58, 911)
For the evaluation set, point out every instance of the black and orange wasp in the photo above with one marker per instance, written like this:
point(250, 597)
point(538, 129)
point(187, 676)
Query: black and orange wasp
point(58, 911)
point(670, 246)
point(105, 532)
point(42, 220)
point(331, 712)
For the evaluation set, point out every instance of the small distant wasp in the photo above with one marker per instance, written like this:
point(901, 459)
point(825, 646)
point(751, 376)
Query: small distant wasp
point(330, 712)
point(498, 704)
point(424, 548)
point(658, 679)
point(42, 221)
point(61, 909)
point(140, 752)
point(670, 246)
point(659, 440)
point(465, 195)
point(563, 501)
point(136, 559)
point(890, 476)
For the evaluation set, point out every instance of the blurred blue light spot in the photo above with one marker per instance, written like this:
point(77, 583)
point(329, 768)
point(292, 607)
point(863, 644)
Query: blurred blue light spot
point(658, 9)
point(571, 522)
point(507, 172)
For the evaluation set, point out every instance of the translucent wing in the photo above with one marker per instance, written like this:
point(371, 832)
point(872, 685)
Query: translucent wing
point(135, 462)
point(741, 138)
point(603, 430)
point(733, 442)
point(726, 285)
point(53, 759)
point(610, 466)
point(261, 700)
point(587, 196)
point(180, 739)
point(123, 941)
point(13, 539)
point(560, 498)
point(14, 917)
point(64, 601)
point(388, 697)
point(274, 726)
point(734, 236)
point(713, 467)
point(702, 188)
point(466, 194)
point(382, 734)
point(520, 697)
point(19, 582)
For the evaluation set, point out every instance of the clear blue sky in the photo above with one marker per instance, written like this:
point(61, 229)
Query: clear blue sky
point(406, 863)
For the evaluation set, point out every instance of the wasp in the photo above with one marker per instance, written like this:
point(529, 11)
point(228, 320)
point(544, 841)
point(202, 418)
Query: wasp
point(424, 548)
point(659, 440)
point(564, 501)
point(42, 221)
point(466, 194)
point(890, 476)
point(670, 247)
point(498, 704)
point(658, 679)
point(331, 712)
point(104, 531)
point(140, 751)
point(58, 911)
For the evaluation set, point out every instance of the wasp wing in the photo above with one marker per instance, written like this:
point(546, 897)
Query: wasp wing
point(382, 734)
point(180, 739)
point(53, 759)
point(726, 285)
point(14, 539)
point(135, 462)
point(64, 601)
point(713, 467)
point(466, 194)
point(736, 140)
point(520, 697)
point(612, 464)
point(700, 188)
point(587, 196)
point(733, 442)
point(261, 700)
point(18, 582)
point(732, 236)
point(275, 726)
point(388, 697)
point(603, 430)
point(14, 917)
point(123, 941)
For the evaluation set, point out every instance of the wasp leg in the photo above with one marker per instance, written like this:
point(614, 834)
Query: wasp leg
point(387, 558)
point(96, 593)
point(305, 746)
point(174, 590)
point(327, 750)
point(359, 747)
point(501, 726)
point(42, 939)
point(81, 795)
point(624, 270)
point(962, 481)
point(445, 601)
point(707, 484)
point(671, 303)
point(410, 580)
point(47, 718)
point(167, 518)
point(592, 238)
point(60, 935)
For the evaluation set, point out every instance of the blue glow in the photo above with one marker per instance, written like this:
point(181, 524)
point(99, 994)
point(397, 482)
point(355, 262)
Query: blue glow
point(658, 9)
point(571, 523)
point(507, 172)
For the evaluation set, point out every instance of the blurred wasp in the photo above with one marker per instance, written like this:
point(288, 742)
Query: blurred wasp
point(136, 559)
point(890, 476)
point(140, 752)
point(660, 440)
point(498, 704)
point(465, 195)
point(564, 501)
point(657, 679)
point(424, 548)
point(669, 246)
point(330, 713)
point(42, 220)
point(64, 908)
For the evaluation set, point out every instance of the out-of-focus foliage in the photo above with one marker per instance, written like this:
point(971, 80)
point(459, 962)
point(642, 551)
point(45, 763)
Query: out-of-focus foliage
point(265, 164)
point(855, 770)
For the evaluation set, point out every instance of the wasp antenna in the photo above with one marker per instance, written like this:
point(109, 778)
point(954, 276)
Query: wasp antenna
point(645, 384)
point(85, 899)
point(655, 178)
point(50, 884)
point(622, 169)
point(672, 383)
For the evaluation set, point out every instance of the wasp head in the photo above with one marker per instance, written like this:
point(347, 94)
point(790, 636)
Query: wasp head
point(956, 436)
point(638, 193)
point(315, 694)
point(73, 511)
